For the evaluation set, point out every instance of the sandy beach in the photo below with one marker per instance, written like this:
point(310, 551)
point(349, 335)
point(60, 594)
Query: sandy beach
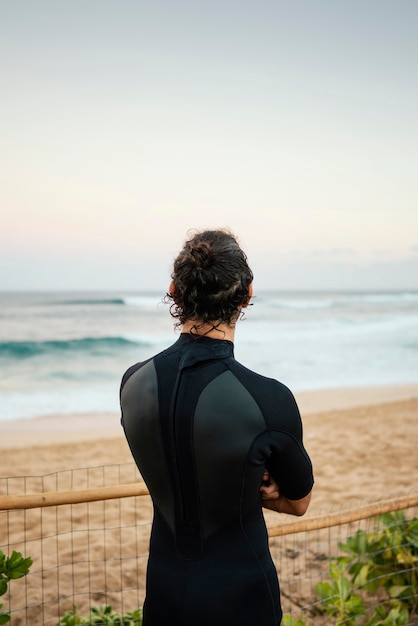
point(363, 448)
point(362, 443)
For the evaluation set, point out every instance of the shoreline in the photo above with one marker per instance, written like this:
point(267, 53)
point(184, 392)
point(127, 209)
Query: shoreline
point(60, 429)
point(72, 427)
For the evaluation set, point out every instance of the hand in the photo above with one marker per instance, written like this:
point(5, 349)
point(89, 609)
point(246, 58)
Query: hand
point(269, 488)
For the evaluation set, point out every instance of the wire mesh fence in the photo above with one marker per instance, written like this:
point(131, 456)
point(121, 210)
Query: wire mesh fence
point(88, 532)
point(84, 553)
point(355, 562)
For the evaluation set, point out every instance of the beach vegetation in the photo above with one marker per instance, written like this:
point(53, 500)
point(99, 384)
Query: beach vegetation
point(374, 566)
point(338, 598)
point(288, 620)
point(102, 615)
point(11, 568)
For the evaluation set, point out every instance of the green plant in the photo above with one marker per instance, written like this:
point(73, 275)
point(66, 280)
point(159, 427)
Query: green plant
point(396, 617)
point(382, 562)
point(102, 615)
point(288, 620)
point(11, 568)
point(386, 558)
point(338, 597)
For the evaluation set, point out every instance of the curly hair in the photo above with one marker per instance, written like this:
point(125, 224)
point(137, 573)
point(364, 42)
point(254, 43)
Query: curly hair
point(211, 278)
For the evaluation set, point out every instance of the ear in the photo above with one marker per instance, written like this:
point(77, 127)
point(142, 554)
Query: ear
point(250, 295)
point(172, 289)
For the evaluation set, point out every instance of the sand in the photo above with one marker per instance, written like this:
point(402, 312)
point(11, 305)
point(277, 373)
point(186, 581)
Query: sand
point(362, 442)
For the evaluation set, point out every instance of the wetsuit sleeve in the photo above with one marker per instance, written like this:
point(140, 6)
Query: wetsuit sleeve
point(289, 463)
point(290, 466)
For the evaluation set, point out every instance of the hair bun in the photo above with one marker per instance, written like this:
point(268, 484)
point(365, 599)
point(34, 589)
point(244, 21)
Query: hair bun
point(202, 254)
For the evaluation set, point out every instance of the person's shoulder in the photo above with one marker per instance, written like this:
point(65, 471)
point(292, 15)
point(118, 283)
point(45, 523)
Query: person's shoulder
point(274, 398)
point(167, 352)
point(132, 369)
point(260, 380)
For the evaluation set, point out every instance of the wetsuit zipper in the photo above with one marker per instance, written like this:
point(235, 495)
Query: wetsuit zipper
point(188, 531)
point(173, 444)
point(180, 464)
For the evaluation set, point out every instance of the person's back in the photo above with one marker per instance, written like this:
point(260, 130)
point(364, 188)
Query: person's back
point(203, 430)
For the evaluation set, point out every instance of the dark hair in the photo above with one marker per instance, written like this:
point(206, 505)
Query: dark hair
point(211, 278)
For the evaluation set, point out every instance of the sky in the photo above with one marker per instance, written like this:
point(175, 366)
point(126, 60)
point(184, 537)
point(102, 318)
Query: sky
point(126, 123)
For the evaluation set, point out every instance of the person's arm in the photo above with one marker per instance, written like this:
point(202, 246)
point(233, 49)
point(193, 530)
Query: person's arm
point(284, 505)
point(275, 501)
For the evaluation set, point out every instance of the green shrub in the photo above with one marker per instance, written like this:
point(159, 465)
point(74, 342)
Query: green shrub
point(382, 563)
point(386, 559)
point(101, 616)
point(338, 598)
point(11, 568)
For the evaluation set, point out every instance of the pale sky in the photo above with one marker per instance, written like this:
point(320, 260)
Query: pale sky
point(124, 123)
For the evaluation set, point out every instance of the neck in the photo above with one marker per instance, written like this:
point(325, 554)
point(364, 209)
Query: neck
point(221, 331)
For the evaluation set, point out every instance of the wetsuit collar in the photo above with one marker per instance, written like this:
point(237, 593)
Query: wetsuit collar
point(198, 349)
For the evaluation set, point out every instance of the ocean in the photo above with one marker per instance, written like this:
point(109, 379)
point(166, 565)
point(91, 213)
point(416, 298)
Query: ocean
point(63, 353)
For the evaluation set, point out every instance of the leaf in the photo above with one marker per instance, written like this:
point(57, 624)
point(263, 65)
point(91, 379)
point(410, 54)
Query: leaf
point(3, 586)
point(361, 574)
point(288, 620)
point(397, 591)
point(356, 545)
point(396, 617)
point(17, 566)
point(342, 584)
point(412, 533)
point(324, 590)
point(354, 606)
point(344, 587)
point(405, 557)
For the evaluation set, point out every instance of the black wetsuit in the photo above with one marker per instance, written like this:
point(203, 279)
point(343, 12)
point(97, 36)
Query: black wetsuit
point(202, 428)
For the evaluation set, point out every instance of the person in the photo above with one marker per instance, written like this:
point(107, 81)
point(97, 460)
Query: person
point(214, 442)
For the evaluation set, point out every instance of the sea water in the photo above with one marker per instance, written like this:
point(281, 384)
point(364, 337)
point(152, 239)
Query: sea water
point(63, 353)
